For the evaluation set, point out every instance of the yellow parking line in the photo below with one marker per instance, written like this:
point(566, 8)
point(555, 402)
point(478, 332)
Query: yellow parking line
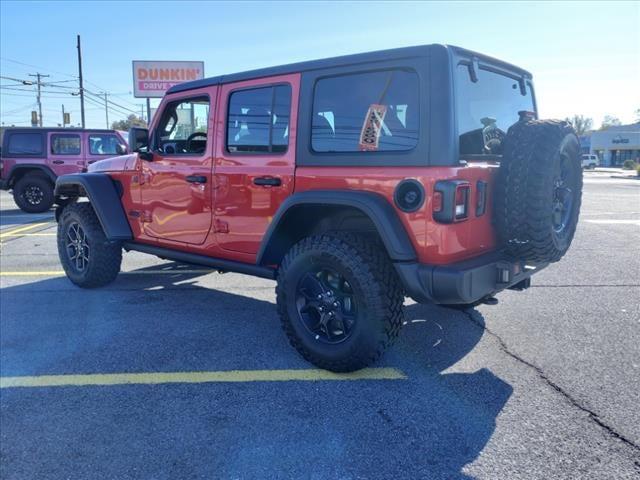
point(23, 229)
point(308, 375)
point(55, 273)
point(29, 234)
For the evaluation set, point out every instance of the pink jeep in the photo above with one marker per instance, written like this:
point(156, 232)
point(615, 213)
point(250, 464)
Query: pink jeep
point(32, 159)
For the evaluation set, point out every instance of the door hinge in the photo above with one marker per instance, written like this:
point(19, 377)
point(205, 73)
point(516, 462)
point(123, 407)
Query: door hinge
point(221, 227)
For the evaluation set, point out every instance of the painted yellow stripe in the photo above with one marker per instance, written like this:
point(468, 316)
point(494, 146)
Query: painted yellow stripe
point(56, 273)
point(309, 375)
point(23, 229)
point(29, 235)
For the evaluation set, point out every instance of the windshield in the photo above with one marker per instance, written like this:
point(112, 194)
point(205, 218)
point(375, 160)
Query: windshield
point(485, 109)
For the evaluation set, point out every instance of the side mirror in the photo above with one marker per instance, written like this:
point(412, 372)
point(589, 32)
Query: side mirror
point(139, 139)
point(121, 149)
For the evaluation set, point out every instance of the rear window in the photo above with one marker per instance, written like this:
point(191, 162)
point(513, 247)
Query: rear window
point(25, 144)
point(366, 112)
point(103, 144)
point(487, 108)
point(65, 144)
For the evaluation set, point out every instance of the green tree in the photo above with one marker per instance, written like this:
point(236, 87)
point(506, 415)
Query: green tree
point(610, 121)
point(581, 124)
point(131, 121)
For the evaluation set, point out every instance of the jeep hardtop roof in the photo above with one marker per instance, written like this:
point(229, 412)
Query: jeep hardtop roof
point(358, 58)
point(59, 129)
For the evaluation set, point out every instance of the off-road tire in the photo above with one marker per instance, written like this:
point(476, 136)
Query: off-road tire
point(525, 189)
point(105, 257)
point(364, 263)
point(37, 181)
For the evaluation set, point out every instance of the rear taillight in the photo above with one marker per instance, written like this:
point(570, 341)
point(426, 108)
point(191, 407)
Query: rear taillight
point(481, 198)
point(451, 201)
point(462, 202)
point(436, 202)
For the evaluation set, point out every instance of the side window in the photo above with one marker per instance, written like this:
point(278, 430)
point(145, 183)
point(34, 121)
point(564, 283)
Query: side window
point(103, 144)
point(25, 144)
point(183, 127)
point(65, 144)
point(258, 120)
point(366, 112)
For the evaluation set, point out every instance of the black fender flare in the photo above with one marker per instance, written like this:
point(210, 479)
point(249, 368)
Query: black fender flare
point(30, 166)
point(374, 206)
point(104, 197)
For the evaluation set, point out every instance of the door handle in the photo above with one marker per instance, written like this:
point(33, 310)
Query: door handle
point(58, 162)
point(196, 179)
point(267, 181)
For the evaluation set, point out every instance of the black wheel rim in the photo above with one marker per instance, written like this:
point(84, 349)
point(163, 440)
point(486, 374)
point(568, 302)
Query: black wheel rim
point(77, 247)
point(563, 196)
point(326, 305)
point(33, 194)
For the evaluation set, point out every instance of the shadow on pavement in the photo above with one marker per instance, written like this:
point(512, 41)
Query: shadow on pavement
point(429, 426)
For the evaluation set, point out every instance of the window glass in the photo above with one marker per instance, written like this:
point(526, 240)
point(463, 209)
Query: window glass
point(25, 144)
point(487, 108)
point(65, 144)
point(366, 112)
point(183, 127)
point(104, 144)
point(258, 120)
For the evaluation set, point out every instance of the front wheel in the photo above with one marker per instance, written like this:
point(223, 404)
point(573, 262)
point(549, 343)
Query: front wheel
point(33, 193)
point(339, 300)
point(88, 258)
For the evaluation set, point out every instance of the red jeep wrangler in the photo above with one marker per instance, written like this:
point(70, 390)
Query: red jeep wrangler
point(354, 181)
point(32, 159)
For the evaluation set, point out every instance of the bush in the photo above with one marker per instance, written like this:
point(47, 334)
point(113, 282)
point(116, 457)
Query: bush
point(638, 169)
point(629, 165)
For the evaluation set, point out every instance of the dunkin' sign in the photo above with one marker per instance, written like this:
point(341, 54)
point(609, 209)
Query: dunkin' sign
point(153, 78)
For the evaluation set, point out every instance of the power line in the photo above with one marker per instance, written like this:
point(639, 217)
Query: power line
point(36, 66)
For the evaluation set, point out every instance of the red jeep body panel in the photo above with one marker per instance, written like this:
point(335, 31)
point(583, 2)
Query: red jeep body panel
point(243, 210)
point(435, 243)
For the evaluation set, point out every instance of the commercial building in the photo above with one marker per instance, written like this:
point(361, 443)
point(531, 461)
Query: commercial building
point(616, 144)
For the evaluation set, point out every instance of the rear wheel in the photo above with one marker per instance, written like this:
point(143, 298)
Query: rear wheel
point(339, 300)
point(33, 193)
point(88, 258)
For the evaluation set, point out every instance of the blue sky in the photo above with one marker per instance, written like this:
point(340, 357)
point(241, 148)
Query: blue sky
point(585, 56)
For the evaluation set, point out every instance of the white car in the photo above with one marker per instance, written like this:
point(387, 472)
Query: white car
point(590, 161)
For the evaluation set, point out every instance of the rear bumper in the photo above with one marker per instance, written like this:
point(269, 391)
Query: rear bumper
point(464, 282)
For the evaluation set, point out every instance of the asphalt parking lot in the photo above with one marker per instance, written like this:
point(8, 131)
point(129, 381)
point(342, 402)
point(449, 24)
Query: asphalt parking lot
point(177, 372)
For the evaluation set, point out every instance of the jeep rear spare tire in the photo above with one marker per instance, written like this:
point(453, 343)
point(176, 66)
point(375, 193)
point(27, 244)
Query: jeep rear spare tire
point(33, 193)
point(339, 300)
point(539, 190)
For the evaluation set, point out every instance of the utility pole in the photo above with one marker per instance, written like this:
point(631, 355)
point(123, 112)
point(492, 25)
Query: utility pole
point(148, 111)
point(106, 109)
point(39, 76)
point(80, 79)
point(63, 115)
